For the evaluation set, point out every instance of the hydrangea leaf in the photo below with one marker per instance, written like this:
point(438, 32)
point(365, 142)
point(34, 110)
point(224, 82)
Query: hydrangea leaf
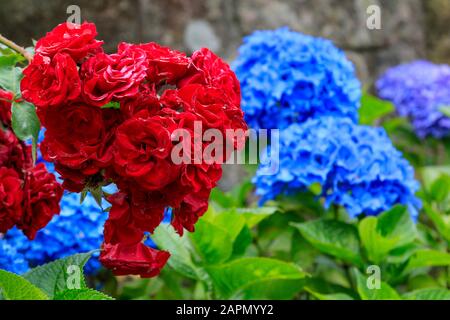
point(59, 275)
point(212, 242)
point(25, 123)
point(384, 292)
point(392, 229)
point(215, 235)
point(14, 287)
point(241, 275)
point(438, 219)
point(331, 296)
point(428, 258)
point(332, 237)
point(242, 242)
point(373, 109)
point(440, 188)
point(81, 294)
point(428, 294)
point(254, 216)
point(180, 251)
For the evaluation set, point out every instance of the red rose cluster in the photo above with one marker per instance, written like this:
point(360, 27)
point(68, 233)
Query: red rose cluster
point(29, 195)
point(111, 118)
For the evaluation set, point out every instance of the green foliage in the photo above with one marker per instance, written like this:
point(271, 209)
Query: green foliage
point(81, 294)
point(58, 280)
point(14, 287)
point(333, 237)
point(373, 109)
point(211, 257)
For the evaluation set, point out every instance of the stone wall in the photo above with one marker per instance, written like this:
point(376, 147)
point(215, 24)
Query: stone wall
point(410, 28)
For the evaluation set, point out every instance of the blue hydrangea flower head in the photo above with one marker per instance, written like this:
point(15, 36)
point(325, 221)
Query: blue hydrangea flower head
point(78, 228)
point(11, 260)
point(357, 167)
point(418, 90)
point(288, 77)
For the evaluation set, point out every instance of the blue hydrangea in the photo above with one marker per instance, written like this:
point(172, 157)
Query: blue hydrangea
point(357, 167)
point(78, 228)
point(288, 77)
point(11, 260)
point(418, 90)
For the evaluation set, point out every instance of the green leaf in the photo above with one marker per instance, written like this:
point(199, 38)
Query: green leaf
point(440, 188)
point(112, 105)
point(180, 249)
point(332, 237)
point(428, 294)
point(432, 173)
point(445, 110)
point(234, 277)
point(390, 230)
point(14, 287)
point(10, 77)
point(254, 216)
point(59, 275)
point(428, 258)
point(331, 296)
point(215, 235)
point(212, 242)
point(438, 219)
point(385, 292)
point(242, 242)
point(373, 109)
point(81, 294)
point(25, 123)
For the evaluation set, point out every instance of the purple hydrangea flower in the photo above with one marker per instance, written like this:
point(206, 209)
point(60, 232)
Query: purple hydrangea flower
point(419, 90)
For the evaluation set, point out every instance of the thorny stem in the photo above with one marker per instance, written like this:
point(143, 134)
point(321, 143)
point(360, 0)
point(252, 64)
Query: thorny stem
point(16, 48)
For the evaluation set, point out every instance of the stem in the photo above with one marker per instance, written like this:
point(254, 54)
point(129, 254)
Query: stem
point(16, 48)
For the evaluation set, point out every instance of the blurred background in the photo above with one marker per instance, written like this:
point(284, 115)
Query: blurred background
point(411, 29)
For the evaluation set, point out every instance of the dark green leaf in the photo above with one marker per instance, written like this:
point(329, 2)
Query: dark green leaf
point(332, 237)
point(392, 229)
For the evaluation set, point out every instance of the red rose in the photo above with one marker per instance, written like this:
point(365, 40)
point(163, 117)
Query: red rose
point(13, 153)
point(142, 151)
point(116, 76)
point(42, 194)
point(5, 108)
point(11, 196)
point(191, 209)
point(78, 41)
point(138, 259)
point(78, 139)
point(51, 82)
point(164, 64)
point(147, 99)
point(208, 69)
